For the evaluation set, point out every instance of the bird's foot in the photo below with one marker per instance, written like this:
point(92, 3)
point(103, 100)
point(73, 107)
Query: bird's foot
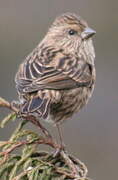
point(59, 149)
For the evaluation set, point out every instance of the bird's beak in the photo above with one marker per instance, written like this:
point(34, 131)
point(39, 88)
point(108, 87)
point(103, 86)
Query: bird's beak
point(87, 33)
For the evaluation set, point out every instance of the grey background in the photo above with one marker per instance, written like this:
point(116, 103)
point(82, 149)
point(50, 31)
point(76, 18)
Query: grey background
point(92, 134)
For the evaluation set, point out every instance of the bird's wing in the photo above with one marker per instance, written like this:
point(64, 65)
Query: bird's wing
point(63, 72)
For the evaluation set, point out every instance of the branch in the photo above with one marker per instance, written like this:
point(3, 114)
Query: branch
point(29, 163)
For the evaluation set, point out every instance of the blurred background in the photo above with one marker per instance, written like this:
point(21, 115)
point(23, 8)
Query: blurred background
point(92, 134)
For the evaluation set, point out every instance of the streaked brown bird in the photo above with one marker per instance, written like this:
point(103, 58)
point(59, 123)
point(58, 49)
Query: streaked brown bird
point(57, 79)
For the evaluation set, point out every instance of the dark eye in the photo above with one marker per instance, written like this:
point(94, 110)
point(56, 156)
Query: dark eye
point(72, 32)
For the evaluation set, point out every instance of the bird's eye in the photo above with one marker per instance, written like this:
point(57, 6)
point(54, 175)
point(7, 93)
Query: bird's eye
point(72, 32)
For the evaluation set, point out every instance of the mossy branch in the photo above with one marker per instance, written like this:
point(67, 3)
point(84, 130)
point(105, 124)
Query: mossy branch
point(29, 163)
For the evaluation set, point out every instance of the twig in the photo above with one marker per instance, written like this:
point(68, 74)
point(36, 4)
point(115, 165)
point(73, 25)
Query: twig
point(69, 163)
point(21, 175)
point(69, 167)
point(4, 103)
point(21, 143)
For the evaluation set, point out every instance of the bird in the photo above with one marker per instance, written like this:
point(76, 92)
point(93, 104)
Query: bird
point(58, 77)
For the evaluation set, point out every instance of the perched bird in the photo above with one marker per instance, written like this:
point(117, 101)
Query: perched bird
point(57, 79)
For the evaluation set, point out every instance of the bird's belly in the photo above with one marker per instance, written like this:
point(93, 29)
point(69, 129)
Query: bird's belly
point(71, 102)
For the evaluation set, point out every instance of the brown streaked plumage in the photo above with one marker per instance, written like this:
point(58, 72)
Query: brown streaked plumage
point(57, 78)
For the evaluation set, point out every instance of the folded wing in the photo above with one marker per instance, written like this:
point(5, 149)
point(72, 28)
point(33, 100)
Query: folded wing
point(61, 73)
point(35, 76)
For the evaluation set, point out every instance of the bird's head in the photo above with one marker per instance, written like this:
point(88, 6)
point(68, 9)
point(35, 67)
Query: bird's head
point(68, 31)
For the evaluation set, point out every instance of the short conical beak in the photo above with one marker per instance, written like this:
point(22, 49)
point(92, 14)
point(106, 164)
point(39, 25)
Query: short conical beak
point(87, 33)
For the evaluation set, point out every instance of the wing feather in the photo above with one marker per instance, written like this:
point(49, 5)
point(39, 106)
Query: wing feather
point(60, 72)
point(63, 72)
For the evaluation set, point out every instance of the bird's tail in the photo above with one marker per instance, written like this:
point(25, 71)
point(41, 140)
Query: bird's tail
point(38, 105)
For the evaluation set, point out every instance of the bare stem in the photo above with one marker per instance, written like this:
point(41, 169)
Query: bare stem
point(73, 168)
